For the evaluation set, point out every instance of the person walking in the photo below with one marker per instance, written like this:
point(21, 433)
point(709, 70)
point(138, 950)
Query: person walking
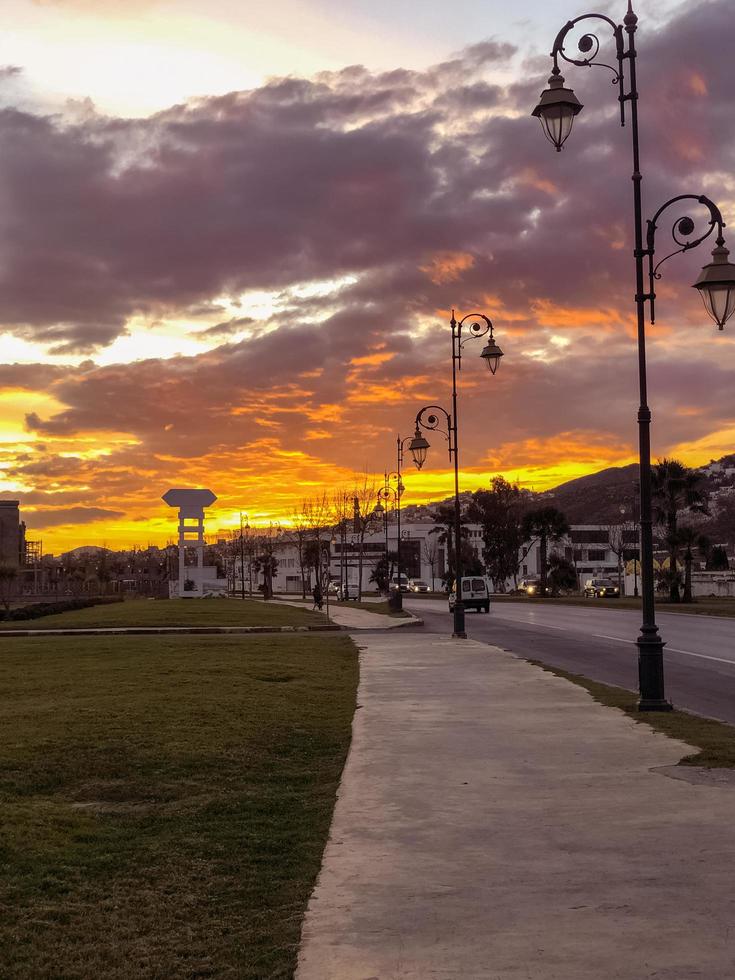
point(317, 593)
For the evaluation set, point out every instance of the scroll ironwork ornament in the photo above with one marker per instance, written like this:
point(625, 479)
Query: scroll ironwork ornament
point(428, 419)
point(684, 234)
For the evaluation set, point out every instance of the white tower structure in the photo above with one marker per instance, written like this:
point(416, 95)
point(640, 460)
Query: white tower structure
point(191, 504)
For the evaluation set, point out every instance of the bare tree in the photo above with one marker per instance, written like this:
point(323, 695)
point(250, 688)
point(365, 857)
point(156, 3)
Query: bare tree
point(317, 515)
point(430, 554)
point(342, 509)
point(364, 498)
point(619, 541)
point(300, 533)
point(265, 560)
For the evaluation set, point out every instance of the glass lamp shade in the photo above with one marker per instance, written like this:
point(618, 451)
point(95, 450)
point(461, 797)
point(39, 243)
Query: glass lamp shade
point(556, 111)
point(716, 285)
point(419, 447)
point(491, 354)
point(378, 509)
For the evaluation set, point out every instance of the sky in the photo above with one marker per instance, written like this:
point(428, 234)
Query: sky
point(232, 234)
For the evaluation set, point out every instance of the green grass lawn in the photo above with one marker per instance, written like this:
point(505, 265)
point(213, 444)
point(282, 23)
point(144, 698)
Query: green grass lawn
point(165, 801)
point(175, 612)
point(380, 608)
point(701, 607)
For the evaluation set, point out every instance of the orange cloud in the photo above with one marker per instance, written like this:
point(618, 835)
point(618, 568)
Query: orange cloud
point(559, 317)
point(372, 360)
point(697, 84)
point(447, 266)
point(531, 178)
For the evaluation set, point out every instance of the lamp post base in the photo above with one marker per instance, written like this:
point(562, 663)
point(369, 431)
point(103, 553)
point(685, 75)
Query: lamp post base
point(651, 674)
point(459, 632)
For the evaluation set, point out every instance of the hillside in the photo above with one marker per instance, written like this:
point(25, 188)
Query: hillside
point(597, 498)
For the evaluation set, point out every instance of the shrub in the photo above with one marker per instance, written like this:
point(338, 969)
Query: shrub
point(37, 609)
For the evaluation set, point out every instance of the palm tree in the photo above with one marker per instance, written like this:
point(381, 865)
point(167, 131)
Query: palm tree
point(444, 519)
point(674, 487)
point(548, 525)
point(689, 538)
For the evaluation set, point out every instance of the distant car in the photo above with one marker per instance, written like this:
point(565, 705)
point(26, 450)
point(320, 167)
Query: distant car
point(601, 588)
point(399, 583)
point(418, 585)
point(532, 587)
point(475, 594)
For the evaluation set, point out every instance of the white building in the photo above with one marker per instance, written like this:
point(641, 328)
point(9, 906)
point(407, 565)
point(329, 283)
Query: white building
point(424, 556)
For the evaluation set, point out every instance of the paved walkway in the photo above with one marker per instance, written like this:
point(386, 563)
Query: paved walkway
point(360, 619)
point(494, 822)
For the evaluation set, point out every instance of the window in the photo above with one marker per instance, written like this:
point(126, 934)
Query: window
point(589, 537)
point(593, 555)
point(478, 585)
point(466, 585)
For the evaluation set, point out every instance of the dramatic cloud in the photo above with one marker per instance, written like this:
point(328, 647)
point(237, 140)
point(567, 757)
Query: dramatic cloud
point(320, 230)
point(69, 516)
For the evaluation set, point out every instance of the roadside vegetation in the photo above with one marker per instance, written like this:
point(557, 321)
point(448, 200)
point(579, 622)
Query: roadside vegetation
point(698, 607)
point(380, 608)
point(166, 801)
point(714, 739)
point(176, 612)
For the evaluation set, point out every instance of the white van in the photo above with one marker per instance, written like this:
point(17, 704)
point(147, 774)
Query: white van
point(475, 594)
point(399, 583)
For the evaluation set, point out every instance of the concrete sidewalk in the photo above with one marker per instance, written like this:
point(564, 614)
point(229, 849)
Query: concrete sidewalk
point(360, 619)
point(495, 822)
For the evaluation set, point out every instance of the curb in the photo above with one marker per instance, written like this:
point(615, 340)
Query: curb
point(157, 630)
point(413, 621)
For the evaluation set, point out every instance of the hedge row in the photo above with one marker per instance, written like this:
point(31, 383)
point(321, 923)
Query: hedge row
point(38, 609)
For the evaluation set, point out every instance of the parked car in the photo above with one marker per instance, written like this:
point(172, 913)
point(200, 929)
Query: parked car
point(399, 582)
point(418, 585)
point(532, 587)
point(341, 591)
point(475, 594)
point(601, 588)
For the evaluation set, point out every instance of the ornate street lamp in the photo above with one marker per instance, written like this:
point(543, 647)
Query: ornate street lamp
point(556, 110)
point(395, 479)
point(385, 495)
point(477, 325)
point(419, 448)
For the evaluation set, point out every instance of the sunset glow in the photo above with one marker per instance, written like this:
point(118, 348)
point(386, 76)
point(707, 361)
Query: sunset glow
point(232, 243)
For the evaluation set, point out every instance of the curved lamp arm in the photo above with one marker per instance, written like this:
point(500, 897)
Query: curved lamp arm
point(426, 418)
point(684, 233)
point(477, 326)
point(589, 48)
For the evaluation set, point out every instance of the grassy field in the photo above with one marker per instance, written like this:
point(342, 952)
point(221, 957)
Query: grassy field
point(175, 612)
point(380, 608)
point(714, 739)
point(165, 801)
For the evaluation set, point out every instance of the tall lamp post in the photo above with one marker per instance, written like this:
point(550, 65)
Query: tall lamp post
point(395, 478)
point(477, 325)
point(385, 495)
point(556, 110)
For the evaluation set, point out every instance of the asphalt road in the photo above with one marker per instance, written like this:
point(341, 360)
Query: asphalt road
point(599, 643)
